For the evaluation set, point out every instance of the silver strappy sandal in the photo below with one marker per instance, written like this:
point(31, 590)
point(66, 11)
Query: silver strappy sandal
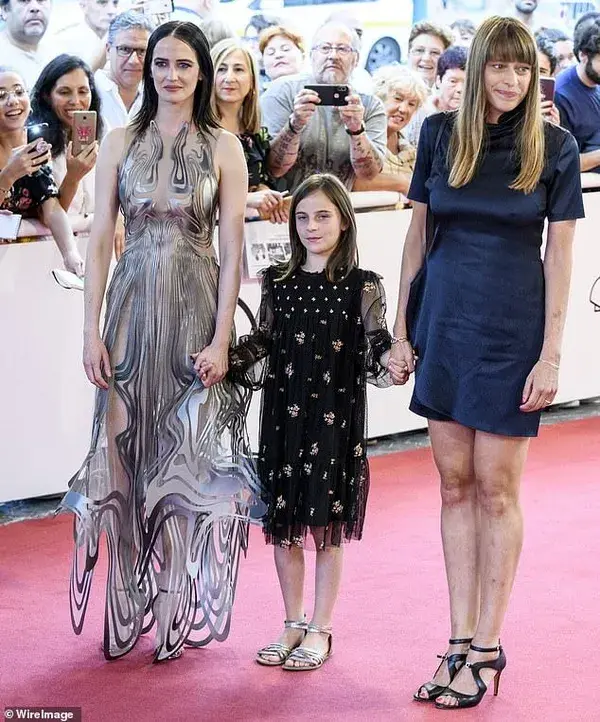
point(275, 654)
point(307, 658)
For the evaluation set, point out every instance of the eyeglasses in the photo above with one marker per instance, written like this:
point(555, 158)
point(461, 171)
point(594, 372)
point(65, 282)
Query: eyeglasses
point(327, 48)
point(124, 51)
point(17, 92)
point(419, 52)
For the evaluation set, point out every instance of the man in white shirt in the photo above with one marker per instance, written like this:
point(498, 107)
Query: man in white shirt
point(85, 35)
point(26, 22)
point(119, 87)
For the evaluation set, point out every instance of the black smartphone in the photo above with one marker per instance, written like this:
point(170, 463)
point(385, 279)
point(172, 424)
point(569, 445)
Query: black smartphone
point(547, 86)
point(37, 131)
point(331, 94)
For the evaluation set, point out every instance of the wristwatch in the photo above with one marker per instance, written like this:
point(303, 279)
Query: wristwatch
point(360, 131)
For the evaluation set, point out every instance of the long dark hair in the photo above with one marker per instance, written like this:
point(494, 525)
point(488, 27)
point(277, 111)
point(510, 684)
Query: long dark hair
point(345, 255)
point(203, 116)
point(41, 107)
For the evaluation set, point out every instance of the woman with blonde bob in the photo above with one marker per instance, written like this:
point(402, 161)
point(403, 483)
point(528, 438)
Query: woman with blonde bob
point(481, 313)
point(235, 102)
point(402, 93)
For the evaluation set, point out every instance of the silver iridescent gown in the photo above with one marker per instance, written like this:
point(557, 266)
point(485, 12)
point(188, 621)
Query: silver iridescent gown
point(167, 476)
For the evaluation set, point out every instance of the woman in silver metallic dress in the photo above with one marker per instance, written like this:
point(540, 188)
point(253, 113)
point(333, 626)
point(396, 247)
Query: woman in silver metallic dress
point(167, 476)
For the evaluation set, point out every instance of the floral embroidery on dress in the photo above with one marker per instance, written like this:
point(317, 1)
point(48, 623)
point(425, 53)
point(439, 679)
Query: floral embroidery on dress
point(322, 408)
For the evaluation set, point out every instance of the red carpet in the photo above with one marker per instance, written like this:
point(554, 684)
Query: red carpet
point(391, 618)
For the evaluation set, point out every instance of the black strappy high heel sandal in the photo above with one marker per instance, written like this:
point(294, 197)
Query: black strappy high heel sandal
point(472, 700)
point(435, 690)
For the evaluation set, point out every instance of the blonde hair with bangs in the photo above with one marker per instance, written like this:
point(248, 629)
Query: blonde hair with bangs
point(500, 39)
point(250, 111)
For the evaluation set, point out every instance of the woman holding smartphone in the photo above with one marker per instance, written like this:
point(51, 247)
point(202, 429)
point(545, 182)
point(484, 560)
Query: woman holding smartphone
point(27, 187)
point(483, 322)
point(66, 86)
point(167, 475)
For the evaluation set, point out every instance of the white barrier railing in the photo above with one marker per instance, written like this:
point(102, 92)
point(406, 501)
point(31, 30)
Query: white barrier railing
point(46, 401)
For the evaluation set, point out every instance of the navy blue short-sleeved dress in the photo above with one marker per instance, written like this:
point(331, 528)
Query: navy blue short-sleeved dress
point(479, 327)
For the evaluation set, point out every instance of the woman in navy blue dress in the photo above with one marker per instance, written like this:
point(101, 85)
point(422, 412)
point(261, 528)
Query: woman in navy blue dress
point(485, 338)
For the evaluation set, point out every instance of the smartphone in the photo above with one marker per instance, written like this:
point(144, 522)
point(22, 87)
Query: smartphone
point(37, 131)
point(84, 129)
point(547, 86)
point(331, 94)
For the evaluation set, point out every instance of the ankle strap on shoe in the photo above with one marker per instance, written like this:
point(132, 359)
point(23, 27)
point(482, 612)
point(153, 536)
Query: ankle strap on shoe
point(314, 628)
point(466, 640)
point(294, 624)
point(486, 649)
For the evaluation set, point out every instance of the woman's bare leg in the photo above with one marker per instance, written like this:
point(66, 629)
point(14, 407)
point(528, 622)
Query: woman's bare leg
point(498, 463)
point(453, 449)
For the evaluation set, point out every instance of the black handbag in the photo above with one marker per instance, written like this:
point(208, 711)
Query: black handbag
point(417, 285)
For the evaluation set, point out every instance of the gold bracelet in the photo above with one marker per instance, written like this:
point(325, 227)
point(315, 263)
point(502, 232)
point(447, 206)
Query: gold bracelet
point(399, 339)
point(5, 190)
point(554, 366)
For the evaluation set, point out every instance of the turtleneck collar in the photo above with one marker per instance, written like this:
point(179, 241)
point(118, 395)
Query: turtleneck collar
point(507, 122)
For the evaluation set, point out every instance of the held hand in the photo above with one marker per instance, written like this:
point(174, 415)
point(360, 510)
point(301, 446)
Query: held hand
point(305, 104)
point(96, 361)
point(27, 159)
point(78, 166)
point(402, 362)
point(73, 262)
point(353, 114)
point(540, 387)
point(211, 364)
point(550, 112)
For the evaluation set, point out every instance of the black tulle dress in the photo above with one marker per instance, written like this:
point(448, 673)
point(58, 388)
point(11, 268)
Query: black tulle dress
point(322, 342)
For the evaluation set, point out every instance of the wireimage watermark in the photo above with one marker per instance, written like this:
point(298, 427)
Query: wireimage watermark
point(64, 714)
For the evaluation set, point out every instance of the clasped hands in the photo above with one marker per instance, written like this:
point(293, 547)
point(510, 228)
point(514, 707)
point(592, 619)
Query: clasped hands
point(401, 362)
point(211, 364)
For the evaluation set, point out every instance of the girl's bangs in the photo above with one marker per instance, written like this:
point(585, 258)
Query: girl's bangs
point(512, 45)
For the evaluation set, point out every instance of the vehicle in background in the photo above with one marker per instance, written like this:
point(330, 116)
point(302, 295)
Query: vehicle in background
point(386, 22)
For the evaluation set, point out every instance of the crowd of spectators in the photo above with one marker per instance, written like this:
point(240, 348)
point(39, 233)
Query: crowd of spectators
point(261, 93)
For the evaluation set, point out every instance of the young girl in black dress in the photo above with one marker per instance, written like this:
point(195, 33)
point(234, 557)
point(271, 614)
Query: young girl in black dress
point(323, 333)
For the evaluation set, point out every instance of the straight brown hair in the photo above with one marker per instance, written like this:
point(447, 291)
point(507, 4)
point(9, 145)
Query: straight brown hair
point(345, 255)
point(505, 40)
